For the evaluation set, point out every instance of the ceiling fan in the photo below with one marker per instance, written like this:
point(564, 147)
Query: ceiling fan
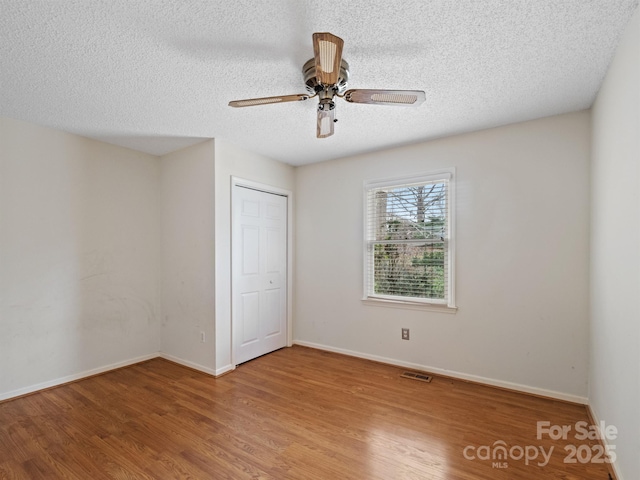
point(326, 76)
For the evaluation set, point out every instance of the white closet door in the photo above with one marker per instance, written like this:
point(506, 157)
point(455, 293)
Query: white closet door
point(259, 273)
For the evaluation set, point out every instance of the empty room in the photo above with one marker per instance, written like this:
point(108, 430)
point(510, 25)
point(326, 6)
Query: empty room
point(320, 240)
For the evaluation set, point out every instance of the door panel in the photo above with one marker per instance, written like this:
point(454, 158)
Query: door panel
point(272, 312)
point(259, 273)
point(250, 208)
point(250, 250)
point(273, 252)
point(249, 314)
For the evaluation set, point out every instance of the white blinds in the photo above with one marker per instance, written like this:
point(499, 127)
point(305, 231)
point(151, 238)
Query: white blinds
point(407, 245)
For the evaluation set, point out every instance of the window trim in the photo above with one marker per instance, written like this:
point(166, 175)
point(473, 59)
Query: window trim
point(449, 304)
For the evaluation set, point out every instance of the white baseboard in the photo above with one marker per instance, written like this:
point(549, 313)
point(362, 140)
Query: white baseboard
point(72, 378)
point(187, 363)
point(95, 371)
point(596, 421)
point(228, 368)
point(450, 373)
point(225, 369)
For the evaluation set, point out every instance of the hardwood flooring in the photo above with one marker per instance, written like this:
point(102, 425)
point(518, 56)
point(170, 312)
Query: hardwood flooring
point(297, 413)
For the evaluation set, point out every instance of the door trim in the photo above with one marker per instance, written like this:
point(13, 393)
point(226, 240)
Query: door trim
point(263, 187)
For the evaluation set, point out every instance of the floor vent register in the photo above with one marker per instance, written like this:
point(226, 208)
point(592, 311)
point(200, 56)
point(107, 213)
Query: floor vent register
point(417, 376)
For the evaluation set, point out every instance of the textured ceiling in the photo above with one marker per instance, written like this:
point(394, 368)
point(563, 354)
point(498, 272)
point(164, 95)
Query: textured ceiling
point(156, 75)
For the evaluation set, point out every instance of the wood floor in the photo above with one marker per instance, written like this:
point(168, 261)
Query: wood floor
point(297, 413)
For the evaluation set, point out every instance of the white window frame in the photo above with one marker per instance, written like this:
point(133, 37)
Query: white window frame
point(449, 303)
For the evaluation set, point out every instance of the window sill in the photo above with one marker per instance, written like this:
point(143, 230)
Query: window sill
point(432, 307)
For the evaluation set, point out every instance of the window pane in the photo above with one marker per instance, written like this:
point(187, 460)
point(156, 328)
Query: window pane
point(408, 212)
point(410, 270)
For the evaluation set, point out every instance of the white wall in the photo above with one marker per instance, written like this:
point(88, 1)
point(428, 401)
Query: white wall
point(188, 237)
point(234, 161)
point(107, 255)
point(614, 386)
point(79, 257)
point(522, 258)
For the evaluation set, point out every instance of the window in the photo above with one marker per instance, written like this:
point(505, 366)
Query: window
point(409, 239)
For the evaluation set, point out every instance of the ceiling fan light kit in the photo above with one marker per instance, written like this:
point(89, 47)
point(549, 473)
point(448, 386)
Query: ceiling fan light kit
point(326, 76)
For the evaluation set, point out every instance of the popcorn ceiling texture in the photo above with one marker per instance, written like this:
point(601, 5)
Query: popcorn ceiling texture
point(156, 75)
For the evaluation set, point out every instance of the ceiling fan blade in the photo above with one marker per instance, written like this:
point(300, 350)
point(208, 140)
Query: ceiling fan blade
point(410, 98)
point(325, 123)
point(327, 51)
point(250, 102)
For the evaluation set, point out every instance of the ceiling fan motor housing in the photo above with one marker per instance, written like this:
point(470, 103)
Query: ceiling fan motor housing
point(311, 78)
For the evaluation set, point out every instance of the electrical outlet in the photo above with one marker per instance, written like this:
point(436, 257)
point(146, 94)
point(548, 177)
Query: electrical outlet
point(202, 337)
point(405, 334)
